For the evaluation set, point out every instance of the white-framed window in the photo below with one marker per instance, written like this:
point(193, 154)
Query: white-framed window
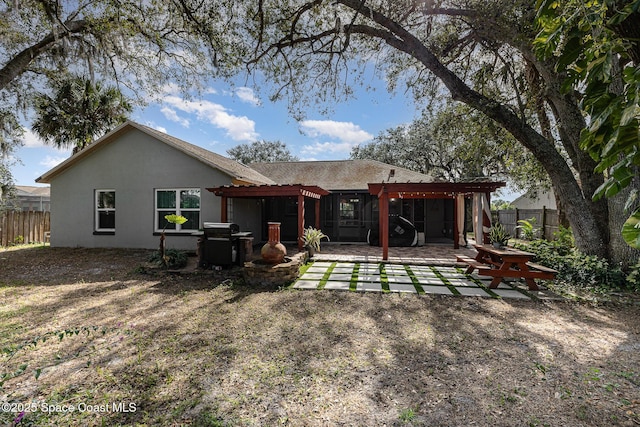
point(105, 210)
point(178, 201)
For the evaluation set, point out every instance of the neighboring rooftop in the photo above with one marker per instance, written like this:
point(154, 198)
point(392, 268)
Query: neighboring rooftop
point(337, 174)
point(31, 190)
point(31, 198)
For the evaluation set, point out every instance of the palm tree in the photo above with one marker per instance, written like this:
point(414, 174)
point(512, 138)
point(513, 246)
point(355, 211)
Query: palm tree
point(79, 112)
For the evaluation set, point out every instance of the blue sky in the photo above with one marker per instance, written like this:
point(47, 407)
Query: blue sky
point(221, 118)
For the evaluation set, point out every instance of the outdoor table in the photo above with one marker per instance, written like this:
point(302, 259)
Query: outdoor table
point(507, 262)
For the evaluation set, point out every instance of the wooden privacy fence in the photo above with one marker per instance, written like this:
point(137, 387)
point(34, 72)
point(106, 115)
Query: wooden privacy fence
point(24, 227)
point(545, 220)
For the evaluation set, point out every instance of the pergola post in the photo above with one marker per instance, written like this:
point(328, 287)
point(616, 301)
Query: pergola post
point(456, 244)
point(317, 206)
point(383, 220)
point(486, 217)
point(300, 221)
point(459, 214)
point(223, 209)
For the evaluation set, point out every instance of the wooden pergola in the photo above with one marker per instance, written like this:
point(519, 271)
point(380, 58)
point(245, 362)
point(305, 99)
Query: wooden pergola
point(298, 191)
point(426, 190)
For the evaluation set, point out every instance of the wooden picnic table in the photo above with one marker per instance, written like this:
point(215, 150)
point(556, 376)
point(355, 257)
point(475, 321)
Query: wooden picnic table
point(506, 262)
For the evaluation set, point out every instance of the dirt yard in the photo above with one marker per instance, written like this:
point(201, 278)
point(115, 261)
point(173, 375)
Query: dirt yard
point(91, 338)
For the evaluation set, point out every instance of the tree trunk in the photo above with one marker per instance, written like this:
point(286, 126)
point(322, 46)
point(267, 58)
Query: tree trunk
point(589, 235)
point(588, 220)
point(621, 253)
point(570, 123)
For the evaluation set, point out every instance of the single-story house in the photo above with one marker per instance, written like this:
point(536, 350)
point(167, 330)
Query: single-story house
point(536, 199)
point(31, 198)
point(116, 192)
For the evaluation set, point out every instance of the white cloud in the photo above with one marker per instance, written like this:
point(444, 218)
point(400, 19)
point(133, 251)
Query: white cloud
point(31, 140)
point(346, 134)
point(239, 128)
point(51, 162)
point(344, 131)
point(152, 124)
point(327, 147)
point(246, 95)
point(171, 114)
point(170, 89)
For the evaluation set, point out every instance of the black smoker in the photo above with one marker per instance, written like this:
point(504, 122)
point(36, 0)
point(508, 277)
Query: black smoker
point(223, 244)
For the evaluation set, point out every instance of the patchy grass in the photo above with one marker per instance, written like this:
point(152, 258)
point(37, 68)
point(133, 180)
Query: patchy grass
point(202, 349)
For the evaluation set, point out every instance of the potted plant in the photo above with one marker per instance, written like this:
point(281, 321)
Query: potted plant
point(499, 236)
point(311, 238)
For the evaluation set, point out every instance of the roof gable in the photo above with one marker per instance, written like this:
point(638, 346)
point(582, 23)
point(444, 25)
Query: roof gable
point(240, 173)
point(338, 174)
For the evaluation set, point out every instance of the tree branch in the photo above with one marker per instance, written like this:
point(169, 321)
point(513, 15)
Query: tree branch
point(20, 63)
point(561, 175)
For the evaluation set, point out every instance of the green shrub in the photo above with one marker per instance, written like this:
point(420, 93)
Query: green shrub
point(633, 278)
point(528, 230)
point(563, 240)
point(576, 269)
point(175, 259)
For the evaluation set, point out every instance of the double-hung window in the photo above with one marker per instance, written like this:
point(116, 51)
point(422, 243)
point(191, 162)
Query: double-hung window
point(105, 220)
point(179, 201)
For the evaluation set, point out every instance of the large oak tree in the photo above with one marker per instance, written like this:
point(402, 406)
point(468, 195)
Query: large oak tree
point(262, 151)
point(139, 45)
point(478, 52)
point(456, 143)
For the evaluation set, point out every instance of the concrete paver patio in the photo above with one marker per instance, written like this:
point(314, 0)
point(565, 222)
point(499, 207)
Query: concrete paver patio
point(430, 269)
point(380, 277)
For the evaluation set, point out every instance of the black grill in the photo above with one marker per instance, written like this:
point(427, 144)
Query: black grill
point(224, 230)
point(223, 244)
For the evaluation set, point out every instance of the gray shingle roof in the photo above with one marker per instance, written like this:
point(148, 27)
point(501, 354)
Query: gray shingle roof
point(338, 174)
point(329, 175)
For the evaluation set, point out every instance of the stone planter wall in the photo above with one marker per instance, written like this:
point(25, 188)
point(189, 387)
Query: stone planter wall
point(260, 273)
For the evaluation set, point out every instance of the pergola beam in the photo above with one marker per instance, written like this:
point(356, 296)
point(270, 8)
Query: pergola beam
point(423, 190)
point(259, 191)
point(298, 191)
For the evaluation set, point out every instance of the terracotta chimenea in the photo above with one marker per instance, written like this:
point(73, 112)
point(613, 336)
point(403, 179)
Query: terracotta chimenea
point(273, 252)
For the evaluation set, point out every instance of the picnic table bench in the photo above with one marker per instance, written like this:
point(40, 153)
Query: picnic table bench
point(506, 262)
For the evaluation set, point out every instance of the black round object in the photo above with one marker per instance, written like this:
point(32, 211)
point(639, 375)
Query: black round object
point(401, 233)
